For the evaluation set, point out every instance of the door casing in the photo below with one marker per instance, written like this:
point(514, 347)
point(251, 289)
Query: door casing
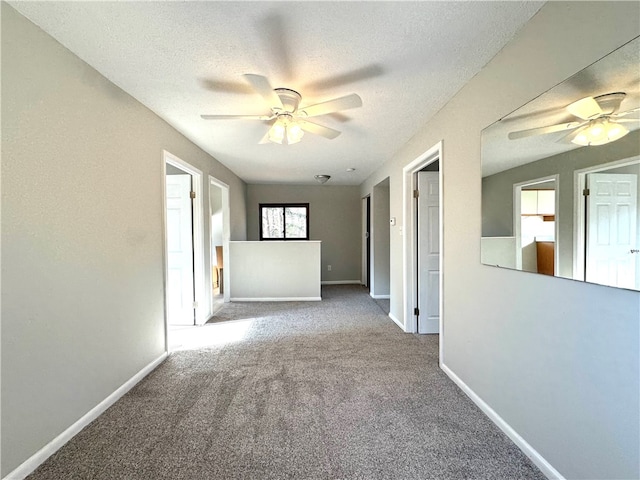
point(201, 297)
point(410, 247)
point(226, 236)
point(579, 209)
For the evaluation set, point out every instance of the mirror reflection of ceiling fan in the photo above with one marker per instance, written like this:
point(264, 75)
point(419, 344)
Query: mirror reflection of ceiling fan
point(288, 120)
point(600, 121)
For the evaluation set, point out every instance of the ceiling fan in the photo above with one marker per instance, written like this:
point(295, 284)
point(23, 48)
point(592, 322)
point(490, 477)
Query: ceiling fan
point(600, 121)
point(288, 120)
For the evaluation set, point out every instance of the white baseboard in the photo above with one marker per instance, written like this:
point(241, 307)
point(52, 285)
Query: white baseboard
point(522, 444)
point(397, 322)
point(54, 445)
point(341, 282)
point(380, 297)
point(276, 299)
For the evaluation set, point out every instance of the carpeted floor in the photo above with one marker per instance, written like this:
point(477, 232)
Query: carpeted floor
point(317, 390)
point(384, 304)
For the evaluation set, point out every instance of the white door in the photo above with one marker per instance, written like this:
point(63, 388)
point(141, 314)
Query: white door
point(180, 295)
point(428, 253)
point(612, 230)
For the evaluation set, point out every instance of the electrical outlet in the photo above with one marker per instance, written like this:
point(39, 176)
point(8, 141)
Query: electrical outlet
point(329, 267)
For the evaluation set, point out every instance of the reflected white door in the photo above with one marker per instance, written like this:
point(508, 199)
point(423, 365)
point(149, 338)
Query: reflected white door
point(428, 252)
point(179, 251)
point(612, 230)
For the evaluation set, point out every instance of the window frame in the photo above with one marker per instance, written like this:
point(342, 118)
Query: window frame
point(284, 206)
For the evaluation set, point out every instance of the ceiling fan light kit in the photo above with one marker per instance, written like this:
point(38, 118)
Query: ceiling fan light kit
point(599, 132)
point(291, 121)
point(601, 121)
point(285, 130)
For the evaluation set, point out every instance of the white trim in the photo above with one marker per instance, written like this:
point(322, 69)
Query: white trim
point(540, 462)
point(214, 312)
point(409, 247)
point(226, 236)
point(341, 282)
point(396, 321)
point(33, 462)
point(579, 213)
point(380, 297)
point(201, 288)
point(165, 254)
point(365, 213)
point(517, 225)
point(277, 299)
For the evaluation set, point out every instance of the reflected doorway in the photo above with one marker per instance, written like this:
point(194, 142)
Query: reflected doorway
point(536, 225)
point(607, 233)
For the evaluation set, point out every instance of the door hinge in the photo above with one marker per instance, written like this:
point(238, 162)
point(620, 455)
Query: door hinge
point(416, 193)
point(585, 192)
point(192, 194)
point(195, 304)
point(416, 311)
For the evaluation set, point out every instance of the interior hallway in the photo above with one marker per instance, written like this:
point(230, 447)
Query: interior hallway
point(305, 390)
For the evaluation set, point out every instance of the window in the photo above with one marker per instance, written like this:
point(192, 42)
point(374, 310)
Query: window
point(284, 221)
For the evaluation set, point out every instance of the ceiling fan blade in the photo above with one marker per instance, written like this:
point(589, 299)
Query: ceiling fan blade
point(626, 120)
point(225, 86)
point(363, 73)
point(236, 117)
point(330, 106)
point(262, 86)
point(623, 114)
point(277, 39)
point(585, 108)
point(316, 129)
point(570, 135)
point(544, 130)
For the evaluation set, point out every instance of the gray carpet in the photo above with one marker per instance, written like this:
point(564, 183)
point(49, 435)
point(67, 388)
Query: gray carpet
point(317, 390)
point(384, 304)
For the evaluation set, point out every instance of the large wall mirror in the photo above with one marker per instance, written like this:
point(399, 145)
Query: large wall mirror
point(560, 193)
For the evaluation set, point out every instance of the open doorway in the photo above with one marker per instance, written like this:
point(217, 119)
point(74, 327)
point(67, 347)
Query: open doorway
point(366, 242)
point(219, 244)
point(185, 301)
point(423, 278)
point(536, 224)
point(180, 273)
point(380, 245)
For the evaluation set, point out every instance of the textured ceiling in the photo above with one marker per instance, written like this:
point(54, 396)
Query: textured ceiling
point(184, 59)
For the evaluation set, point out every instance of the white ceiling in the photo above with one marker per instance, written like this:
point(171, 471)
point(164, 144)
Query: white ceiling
point(617, 72)
point(184, 59)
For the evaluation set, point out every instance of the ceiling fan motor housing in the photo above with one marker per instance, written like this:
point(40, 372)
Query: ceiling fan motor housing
point(610, 102)
point(290, 99)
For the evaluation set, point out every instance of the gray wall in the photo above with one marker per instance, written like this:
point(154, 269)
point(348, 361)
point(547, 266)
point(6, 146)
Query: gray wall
point(380, 240)
point(563, 372)
point(497, 191)
point(334, 218)
point(82, 236)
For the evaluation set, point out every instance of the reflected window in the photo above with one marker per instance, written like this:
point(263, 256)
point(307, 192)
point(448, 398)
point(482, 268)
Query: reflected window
point(284, 221)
